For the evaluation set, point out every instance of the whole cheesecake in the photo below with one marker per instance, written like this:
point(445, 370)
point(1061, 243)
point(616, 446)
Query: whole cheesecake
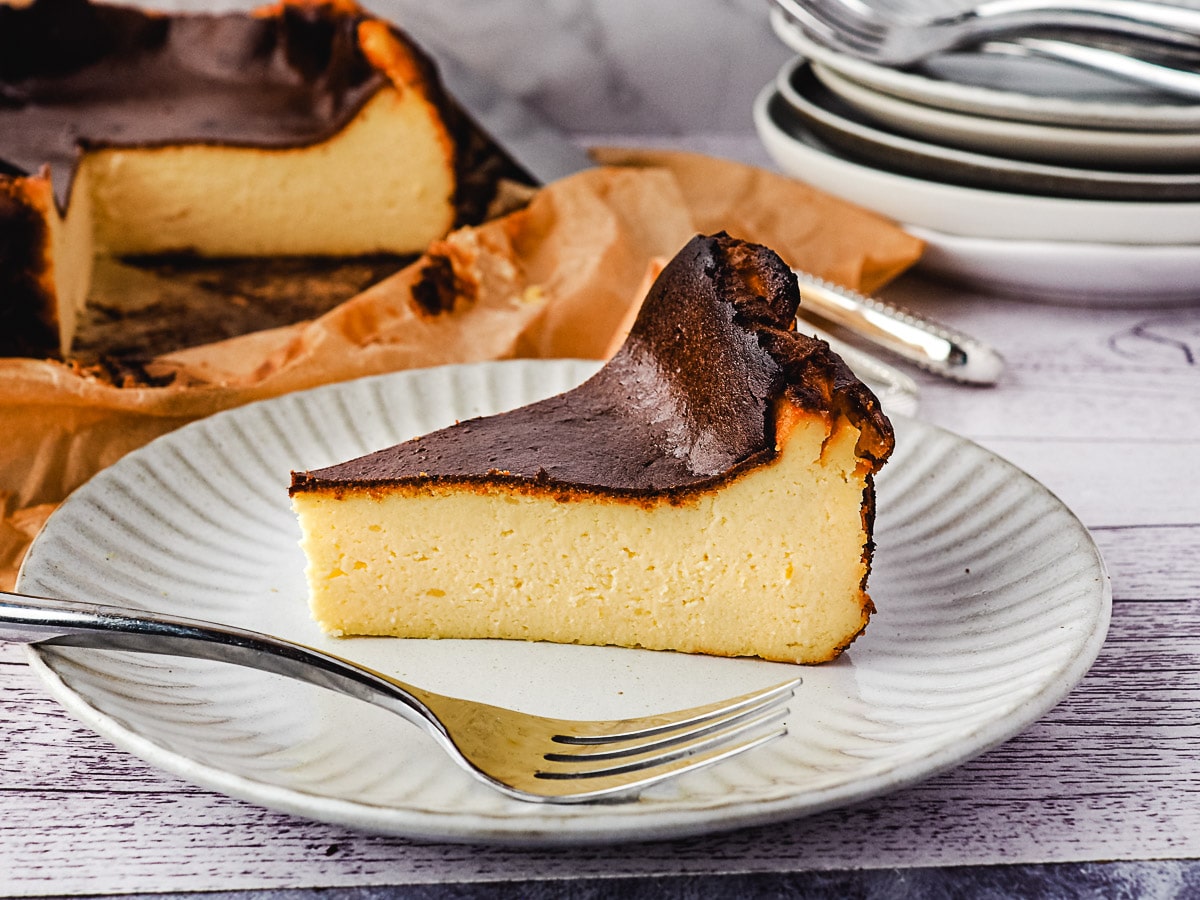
point(709, 490)
point(305, 128)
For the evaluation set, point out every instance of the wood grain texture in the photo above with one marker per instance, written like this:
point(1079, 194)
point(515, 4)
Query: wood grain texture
point(1099, 404)
point(1112, 773)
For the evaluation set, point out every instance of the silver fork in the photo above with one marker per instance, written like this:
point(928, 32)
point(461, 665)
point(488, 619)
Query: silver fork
point(1170, 35)
point(891, 38)
point(525, 756)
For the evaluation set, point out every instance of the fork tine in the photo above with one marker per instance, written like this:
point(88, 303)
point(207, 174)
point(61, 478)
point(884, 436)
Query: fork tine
point(649, 726)
point(803, 18)
point(859, 18)
point(836, 27)
point(518, 753)
point(848, 17)
point(635, 774)
point(721, 729)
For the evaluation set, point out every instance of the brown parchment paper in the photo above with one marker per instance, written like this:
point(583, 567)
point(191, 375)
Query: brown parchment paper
point(556, 278)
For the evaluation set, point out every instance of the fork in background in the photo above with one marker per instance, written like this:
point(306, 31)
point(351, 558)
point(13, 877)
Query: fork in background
point(1145, 43)
point(890, 38)
point(524, 756)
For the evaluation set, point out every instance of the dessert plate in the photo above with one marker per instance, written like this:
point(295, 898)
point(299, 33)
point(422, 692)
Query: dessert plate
point(966, 211)
point(1087, 147)
point(1066, 272)
point(1024, 90)
point(844, 127)
point(993, 602)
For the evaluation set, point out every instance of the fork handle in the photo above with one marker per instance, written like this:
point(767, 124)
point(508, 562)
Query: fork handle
point(929, 345)
point(1167, 79)
point(1172, 25)
point(69, 623)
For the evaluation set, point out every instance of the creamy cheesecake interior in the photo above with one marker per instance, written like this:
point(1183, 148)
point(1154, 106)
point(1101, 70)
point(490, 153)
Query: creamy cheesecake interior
point(769, 564)
point(335, 198)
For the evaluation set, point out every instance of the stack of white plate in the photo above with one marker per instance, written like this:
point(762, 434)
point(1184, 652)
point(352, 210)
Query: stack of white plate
point(1023, 176)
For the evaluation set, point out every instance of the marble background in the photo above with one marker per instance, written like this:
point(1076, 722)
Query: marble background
point(612, 66)
point(601, 67)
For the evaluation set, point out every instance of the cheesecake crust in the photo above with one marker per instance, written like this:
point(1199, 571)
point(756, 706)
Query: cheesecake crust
point(687, 403)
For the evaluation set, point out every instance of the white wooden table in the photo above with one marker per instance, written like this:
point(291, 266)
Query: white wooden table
point(1101, 405)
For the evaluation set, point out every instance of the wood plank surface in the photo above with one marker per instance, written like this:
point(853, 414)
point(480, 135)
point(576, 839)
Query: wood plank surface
point(1112, 773)
point(1101, 405)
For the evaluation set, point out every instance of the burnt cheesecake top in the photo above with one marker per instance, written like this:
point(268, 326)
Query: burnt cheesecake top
point(76, 75)
point(687, 402)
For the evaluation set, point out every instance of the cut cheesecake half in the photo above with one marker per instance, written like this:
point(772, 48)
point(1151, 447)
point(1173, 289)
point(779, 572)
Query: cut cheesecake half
point(304, 128)
point(709, 490)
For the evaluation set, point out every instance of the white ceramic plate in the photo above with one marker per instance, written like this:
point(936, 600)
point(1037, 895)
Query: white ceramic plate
point(970, 212)
point(993, 602)
point(1026, 90)
point(845, 128)
point(1066, 272)
point(1089, 147)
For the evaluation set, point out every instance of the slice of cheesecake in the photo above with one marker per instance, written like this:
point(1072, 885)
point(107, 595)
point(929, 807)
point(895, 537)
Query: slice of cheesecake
point(709, 490)
point(304, 128)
